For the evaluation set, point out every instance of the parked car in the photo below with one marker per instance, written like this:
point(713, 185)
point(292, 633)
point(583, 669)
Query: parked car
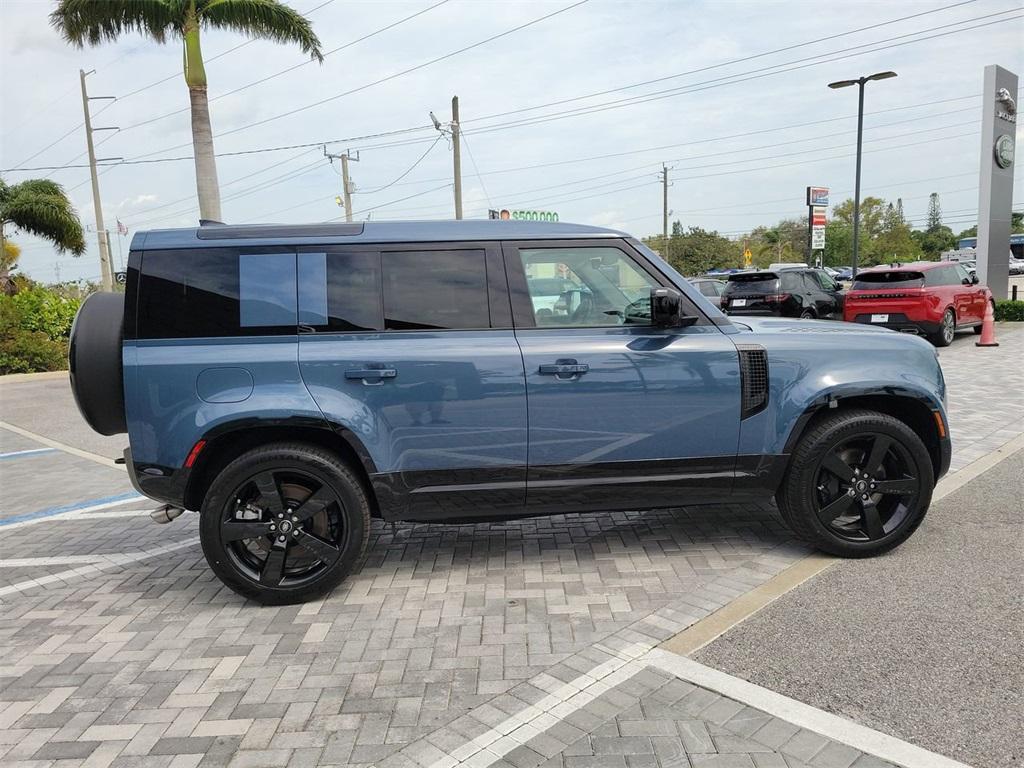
point(795, 292)
point(292, 382)
point(712, 290)
point(844, 274)
point(931, 298)
point(1016, 266)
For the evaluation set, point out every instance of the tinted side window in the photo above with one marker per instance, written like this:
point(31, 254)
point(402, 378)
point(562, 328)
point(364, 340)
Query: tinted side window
point(215, 292)
point(825, 280)
point(940, 276)
point(351, 299)
point(435, 290)
point(792, 282)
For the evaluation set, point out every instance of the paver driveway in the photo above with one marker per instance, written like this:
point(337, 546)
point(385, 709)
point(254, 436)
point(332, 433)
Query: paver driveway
point(118, 647)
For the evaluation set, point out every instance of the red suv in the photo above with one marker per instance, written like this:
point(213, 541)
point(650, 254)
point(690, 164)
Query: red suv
point(932, 298)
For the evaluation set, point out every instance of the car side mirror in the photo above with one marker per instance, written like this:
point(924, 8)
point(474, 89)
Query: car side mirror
point(667, 309)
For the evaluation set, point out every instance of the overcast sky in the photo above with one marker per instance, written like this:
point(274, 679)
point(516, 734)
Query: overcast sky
point(742, 135)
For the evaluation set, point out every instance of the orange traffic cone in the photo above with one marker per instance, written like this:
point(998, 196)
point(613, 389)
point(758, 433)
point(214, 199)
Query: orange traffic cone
point(988, 328)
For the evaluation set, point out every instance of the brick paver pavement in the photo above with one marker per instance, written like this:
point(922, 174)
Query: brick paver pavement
point(118, 647)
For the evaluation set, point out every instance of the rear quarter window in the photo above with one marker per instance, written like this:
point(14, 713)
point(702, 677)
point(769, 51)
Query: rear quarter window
point(215, 292)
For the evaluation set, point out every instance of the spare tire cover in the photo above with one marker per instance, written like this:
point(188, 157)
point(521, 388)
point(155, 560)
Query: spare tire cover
point(94, 359)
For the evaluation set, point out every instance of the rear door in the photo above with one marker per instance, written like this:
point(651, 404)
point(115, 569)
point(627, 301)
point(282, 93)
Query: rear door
point(411, 349)
point(621, 415)
point(830, 298)
point(976, 293)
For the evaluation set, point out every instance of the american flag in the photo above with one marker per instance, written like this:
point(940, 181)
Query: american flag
point(121, 228)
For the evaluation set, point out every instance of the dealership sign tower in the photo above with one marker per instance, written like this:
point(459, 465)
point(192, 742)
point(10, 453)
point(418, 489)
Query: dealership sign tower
point(817, 207)
point(995, 188)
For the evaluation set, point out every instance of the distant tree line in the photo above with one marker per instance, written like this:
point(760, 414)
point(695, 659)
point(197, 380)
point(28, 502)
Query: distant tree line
point(885, 236)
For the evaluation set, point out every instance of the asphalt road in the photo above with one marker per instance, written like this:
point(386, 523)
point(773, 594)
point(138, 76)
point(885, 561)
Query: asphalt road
point(924, 643)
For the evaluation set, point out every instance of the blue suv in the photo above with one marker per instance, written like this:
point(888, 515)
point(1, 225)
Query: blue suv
point(292, 382)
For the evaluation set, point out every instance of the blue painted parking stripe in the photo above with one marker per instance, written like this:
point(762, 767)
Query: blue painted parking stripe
point(30, 452)
point(69, 508)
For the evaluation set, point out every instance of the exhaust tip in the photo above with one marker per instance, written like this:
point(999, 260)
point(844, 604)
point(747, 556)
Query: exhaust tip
point(165, 514)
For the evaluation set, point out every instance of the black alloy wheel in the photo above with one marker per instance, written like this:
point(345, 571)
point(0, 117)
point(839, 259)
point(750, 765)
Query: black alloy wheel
point(285, 523)
point(865, 486)
point(858, 483)
point(283, 528)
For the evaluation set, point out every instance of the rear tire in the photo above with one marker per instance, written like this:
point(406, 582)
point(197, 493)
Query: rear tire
point(807, 314)
point(947, 330)
point(285, 523)
point(876, 457)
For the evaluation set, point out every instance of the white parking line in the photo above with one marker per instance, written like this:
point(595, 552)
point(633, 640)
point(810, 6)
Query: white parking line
point(562, 700)
point(85, 512)
point(105, 461)
point(803, 715)
point(29, 452)
point(100, 563)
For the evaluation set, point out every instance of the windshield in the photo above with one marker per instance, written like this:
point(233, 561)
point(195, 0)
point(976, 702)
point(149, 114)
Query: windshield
point(760, 283)
point(867, 281)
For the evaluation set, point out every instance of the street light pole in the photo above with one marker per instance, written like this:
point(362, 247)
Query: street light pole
point(860, 83)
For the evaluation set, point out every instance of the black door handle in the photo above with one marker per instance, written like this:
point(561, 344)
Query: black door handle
point(371, 376)
point(565, 368)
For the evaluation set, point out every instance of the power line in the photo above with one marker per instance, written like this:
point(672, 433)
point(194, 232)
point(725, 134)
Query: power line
point(719, 65)
point(402, 199)
point(409, 170)
point(260, 150)
point(136, 91)
point(743, 77)
point(387, 78)
point(293, 67)
point(175, 75)
point(476, 170)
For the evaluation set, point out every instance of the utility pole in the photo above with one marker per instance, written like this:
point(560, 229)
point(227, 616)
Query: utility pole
point(346, 184)
point(106, 272)
point(664, 207)
point(458, 157)
point(451, 130)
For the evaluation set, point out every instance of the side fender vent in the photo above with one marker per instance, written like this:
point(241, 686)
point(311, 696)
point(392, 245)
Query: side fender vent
point(753, 379)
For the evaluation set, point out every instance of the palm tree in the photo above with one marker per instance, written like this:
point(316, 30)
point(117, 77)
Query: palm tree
point(39, 207)
point(97, 21)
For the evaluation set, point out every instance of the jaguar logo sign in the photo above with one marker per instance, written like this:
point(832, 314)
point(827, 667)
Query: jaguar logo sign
point(1006, 108)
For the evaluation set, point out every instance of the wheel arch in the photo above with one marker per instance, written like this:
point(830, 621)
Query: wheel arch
point(228, 441)
point(912, 410)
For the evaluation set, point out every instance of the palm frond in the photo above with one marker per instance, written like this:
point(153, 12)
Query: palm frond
point(98, 21)
point(50, 217)
point(42, 186)
point(268, 19)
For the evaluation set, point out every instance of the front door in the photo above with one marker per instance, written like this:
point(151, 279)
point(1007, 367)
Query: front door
point(411, 349)
point(620, 415)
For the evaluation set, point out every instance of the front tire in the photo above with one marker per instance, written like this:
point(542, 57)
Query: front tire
point(859, 483)
point(284, 523)
point(947, 330)
point(807, 314)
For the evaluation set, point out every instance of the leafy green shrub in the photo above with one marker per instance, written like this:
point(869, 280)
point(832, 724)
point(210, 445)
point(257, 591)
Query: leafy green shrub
point(41, 309)
point(1010, 310)
point(23, 350)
